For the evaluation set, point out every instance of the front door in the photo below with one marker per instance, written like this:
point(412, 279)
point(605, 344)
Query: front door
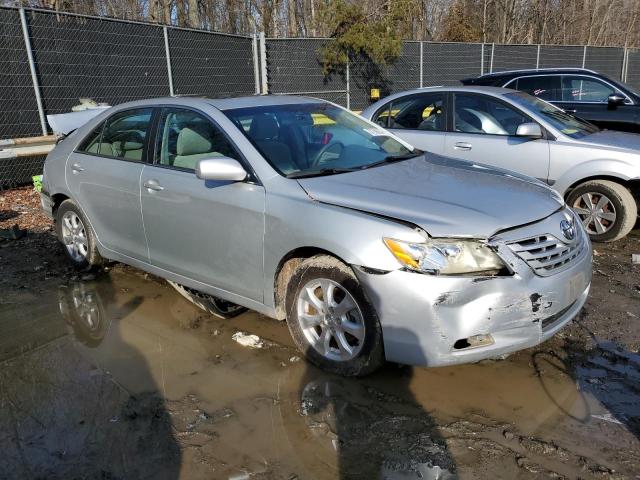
point(484, 130)
point(208, 231)
point(103, 176)
point(587, 97)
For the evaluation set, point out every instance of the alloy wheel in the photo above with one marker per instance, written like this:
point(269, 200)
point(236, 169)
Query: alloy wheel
point(596, 211)
point(74, 236)
point(330, 319)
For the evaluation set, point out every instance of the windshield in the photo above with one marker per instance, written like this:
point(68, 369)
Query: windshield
point(308, 139)
point(567, 124)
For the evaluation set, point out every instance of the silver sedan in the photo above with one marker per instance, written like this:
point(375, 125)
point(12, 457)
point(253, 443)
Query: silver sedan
point(297, 208)
point(596, 171)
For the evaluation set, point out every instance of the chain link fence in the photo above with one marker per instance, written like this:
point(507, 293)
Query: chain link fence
point(49, 60)
point(18, 106)
point(211, 65)
point(632, 68)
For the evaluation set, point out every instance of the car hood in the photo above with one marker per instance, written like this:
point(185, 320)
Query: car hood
point(443, 196)
point(613, 139)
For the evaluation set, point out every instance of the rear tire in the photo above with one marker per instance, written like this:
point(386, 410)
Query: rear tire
point(77, 237)
point(213, 305)
point(330, 319)
point(607, 209)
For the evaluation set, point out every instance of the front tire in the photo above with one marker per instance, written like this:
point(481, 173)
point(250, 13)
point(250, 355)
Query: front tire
point(330, 319)
point(77, 237)
point(607, 209)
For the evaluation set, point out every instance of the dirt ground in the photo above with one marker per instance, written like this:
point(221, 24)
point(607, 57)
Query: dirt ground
point(115, 376)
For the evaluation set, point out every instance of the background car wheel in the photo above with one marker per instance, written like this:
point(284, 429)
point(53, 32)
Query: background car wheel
point(215, 306)
point(607, 209)
point(330, 319)
point(77, 237)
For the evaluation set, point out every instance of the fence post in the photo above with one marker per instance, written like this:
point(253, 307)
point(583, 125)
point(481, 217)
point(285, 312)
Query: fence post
point(168, 55)
point(584, 56)
point(263, 64)
point(32, 67)
point(348, 86)
point(482, 60)
point(256, 64)
point(493, 48)
point(538, 58)
point(421, 65)
point(626, 66)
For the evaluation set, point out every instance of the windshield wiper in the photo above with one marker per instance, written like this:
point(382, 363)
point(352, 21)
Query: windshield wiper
point(321, 172)
point(393, 158)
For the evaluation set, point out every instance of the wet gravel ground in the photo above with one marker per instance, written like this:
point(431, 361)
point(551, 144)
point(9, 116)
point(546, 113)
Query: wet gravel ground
point(116, 376)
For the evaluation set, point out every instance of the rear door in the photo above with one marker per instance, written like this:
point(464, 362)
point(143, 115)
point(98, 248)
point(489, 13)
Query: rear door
point(482, 129)
point(419, 119)
point(545, 87)
point(103, 175)
point(209, 231)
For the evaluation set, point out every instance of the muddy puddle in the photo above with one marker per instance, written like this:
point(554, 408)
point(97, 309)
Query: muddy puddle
point(120, 377)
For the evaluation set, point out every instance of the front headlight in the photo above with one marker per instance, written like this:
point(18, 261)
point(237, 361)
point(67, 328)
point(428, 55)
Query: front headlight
point(445, 256)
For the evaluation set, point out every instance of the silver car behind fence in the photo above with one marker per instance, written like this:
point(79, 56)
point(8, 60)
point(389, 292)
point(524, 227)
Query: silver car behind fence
point(369, 248)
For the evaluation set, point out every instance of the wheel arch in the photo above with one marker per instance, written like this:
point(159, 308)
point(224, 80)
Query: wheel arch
point(632, 184)
point(57, 200)
point(285, 270)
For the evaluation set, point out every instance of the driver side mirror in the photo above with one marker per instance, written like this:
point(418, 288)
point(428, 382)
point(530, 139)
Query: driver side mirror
point(220, 169)
point(616, 99)
point(530, 130)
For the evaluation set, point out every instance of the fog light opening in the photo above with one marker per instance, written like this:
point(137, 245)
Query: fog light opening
point(473, 342)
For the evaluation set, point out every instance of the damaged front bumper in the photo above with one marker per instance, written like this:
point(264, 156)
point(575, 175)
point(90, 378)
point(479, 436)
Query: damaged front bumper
point(435, 320)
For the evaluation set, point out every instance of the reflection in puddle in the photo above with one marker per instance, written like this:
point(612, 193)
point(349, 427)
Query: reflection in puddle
point(133, 381)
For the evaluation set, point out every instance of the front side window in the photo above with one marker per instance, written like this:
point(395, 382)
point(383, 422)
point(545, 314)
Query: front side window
point(307, 139)
point(584, 89)
point(545, 87)
point(123, 135)
point(483, 114)
point(559, 119)
point(418, 112)
point(187, 137)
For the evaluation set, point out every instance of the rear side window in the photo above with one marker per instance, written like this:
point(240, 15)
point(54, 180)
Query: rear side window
point(544, 87)
point(187, 137)
point(91, 143)
point(123, 136)
point(418, 112)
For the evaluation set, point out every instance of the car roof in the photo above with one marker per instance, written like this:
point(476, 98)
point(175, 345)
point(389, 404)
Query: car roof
point(532, 71)
point(222, 103)
point(495, 91)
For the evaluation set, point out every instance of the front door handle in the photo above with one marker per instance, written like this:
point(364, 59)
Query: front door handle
point(462, 146)
point(570, 110)
point(76, 168)
point(153, 185)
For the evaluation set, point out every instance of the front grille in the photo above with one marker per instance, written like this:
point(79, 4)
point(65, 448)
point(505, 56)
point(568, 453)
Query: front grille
point(546, 254)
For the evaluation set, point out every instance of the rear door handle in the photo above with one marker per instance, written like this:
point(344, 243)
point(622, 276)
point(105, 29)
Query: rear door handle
point(76, 168)
point(153, 185)
point(462, 146)
point(570, 110)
